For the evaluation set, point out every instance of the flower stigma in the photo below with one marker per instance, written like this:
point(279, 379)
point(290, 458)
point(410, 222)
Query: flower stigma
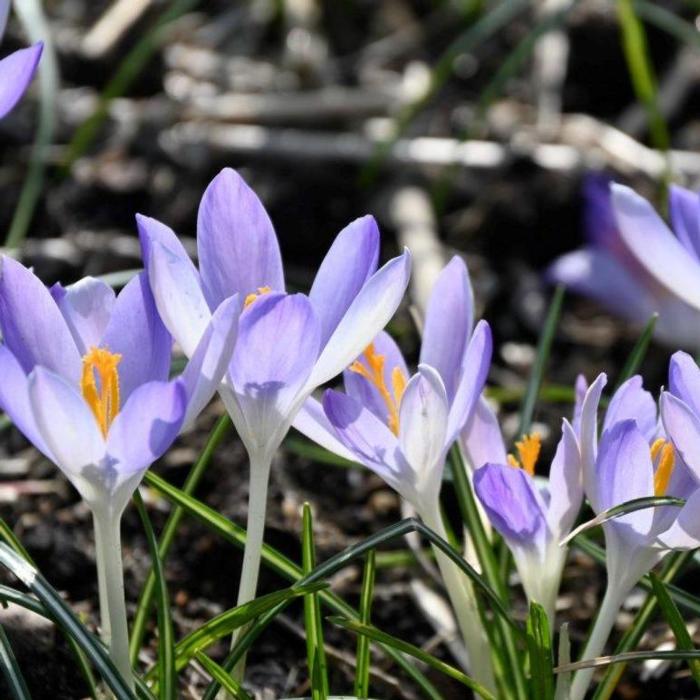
point(528, 452)
point(250, 298)
point(664, 460)
point(101, 364)
point(374, 374)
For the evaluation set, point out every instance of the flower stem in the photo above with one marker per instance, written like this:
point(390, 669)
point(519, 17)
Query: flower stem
point(110, 580)
point(461, 596)
point(612, 602)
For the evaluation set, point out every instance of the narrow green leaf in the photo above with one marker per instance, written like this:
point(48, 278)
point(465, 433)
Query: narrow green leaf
point(234, 688)
point(544, 347)
point(362, 656)
point(639, 351)
point(539, 646)
point(167, 677)
point(563, 687)
point(651, 654)
point(138, 630)
point(667, 21)
point(411, 650)
point(675, 621)
point(315, 652)
point(62, 614)
point(11, 670)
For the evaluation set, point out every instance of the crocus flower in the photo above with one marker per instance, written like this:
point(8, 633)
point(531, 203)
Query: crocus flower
point(634, 265)
point(85, 379)
point(401, 428)
point(531, 518)
point(634, 459)
point(288, 344)
point(17, 69)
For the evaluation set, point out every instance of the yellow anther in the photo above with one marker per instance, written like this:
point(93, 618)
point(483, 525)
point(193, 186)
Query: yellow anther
point(528, 453)
point(656, 448)
point(101, 364)
point(373, 372)
point(667, 460)
point(254, 295)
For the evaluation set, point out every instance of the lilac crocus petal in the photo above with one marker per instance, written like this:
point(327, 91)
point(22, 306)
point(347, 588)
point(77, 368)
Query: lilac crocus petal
point(588, 438)
point(311, 421)
point(371, 441)
point(475, 370)
point(208, 364)
point(598, 218)
point(654, 246)
point(277, 346)
point(146, 426)
point(684, 207)
point(448, 323)
point(624, 472)
point(136, 332)
point(178, 296)
point(14, 399)
point(684, 533)
point(367, 393)
point(511, 501)
point(481, 437)
point(580, 389)
point(87, 307)
point(16, 72)
point(237, 245)
point(682, 426)
point(369, 312)
point(423, 426)
point(349, 263)
point(32, 326)
point(66, 424)
point(684, 379)
point(565, 482)
point(631, 401)
point(151, 231)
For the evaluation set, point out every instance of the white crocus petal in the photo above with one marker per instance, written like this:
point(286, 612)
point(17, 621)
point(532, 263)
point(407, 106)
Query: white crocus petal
point(70, 431)
point(565, 483)
point(685, 531)
point(367, 315)
point(588, 437)
point(178, 296)
point(423, 428)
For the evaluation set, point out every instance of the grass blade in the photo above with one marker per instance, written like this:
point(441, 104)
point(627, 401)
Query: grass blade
point(416, 652)
point(138, 630)
point(167, 677)
point(628, 656)
point(539, 646)
point(675, 621)
point(638, 353)
point(232, 687)
point(315, 652)
point(10, 669)
point(362, 656)
point(544, 346)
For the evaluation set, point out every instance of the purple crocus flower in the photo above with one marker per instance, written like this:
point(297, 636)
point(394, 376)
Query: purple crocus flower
point(634, 265)
point(402, 428)
point(17, 69)
point(533, 519)
point(85, 379)
point(288, 344)
point(634, 459)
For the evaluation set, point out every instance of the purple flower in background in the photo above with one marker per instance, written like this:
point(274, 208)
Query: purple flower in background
point(634, 265)
point(17, 69)
point(85, 377)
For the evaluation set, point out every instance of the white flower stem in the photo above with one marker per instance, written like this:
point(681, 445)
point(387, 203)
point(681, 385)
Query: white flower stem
point(110, 580)
point(612, 602)
point(461, 594)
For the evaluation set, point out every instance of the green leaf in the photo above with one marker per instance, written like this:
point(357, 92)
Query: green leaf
point(544, 347)
point(274, 559)
point(651, 654)
point(563, 687)
point(411, 650)
point(315, 652)
point(362, 662)
point(61, 613)
point(539, 646)
point(234, 689)
point(11, 670)
point(138, 630)
point(638, 353)
point(675, 621)
point(167, 677)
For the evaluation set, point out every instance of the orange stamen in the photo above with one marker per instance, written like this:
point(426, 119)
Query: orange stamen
point(254, 295)
point(528, 452)
point(103, 402)
point(667, 461)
